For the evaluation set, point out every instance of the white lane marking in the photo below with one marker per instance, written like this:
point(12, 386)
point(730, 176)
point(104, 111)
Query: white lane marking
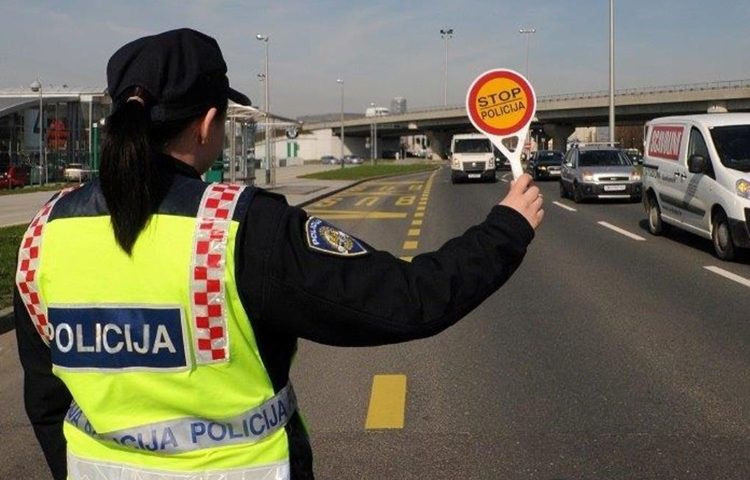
point(731, 276)
point(621, 231)
point(504, 180)
point(562, 205)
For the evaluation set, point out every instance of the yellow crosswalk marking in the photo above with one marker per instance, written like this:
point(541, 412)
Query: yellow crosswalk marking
point(387, 402)
point(416, 223)
point(413, 232)
point(407, 259)
point(411, 245)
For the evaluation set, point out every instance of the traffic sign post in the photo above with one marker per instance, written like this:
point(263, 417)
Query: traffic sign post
point(501, 104)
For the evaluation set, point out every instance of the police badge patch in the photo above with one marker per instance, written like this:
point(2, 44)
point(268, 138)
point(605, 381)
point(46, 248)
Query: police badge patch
point(323, 237)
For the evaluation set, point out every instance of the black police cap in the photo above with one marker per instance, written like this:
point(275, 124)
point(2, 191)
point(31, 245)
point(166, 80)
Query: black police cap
point(182, 71)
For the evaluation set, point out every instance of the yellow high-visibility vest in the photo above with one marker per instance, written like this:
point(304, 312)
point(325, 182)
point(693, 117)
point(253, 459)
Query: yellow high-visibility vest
point(155, 348)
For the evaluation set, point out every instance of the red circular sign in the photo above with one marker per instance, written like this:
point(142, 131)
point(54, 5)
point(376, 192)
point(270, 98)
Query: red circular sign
point(500, 102)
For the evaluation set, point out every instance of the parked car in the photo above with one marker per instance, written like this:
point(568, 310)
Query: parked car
point(329, 160)
point(599, 172)
point(75, 172)
point(545, 164)
point(353, 160)
point(696, 177)
point(15, 176)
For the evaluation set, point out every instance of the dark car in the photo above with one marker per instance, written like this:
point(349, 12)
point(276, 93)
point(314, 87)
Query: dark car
point(501, 161)
point(15, 176)
point(545, 164)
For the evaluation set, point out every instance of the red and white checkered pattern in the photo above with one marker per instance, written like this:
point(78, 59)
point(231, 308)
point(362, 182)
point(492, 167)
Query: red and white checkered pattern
point(207, 291)
point(28, 266)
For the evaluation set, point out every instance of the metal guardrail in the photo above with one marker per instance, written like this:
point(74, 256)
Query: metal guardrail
point(688, 87)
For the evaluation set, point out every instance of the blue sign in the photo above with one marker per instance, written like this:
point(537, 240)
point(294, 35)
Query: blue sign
point(105, 337)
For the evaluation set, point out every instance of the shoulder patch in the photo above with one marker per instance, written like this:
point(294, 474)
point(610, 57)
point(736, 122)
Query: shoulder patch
point(324, 237)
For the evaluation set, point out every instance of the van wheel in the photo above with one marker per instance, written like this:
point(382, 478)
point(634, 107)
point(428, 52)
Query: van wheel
point(655, 224)
point(577, 196)
point(721, 235)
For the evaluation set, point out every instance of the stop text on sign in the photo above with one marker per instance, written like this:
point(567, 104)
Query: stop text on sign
point(500, 102)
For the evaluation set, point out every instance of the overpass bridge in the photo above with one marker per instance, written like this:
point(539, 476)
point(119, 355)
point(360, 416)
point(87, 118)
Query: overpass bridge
point(559, 115)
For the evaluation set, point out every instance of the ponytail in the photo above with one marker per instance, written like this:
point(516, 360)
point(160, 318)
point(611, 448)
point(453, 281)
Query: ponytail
point(126, 174)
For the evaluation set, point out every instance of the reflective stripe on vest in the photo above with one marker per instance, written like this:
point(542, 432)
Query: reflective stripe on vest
point(84, 469)
point(207, 293)
point(28, 265)
point(188, 434)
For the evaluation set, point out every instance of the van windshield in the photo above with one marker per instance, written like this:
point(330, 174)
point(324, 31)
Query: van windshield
point(733, 145)
point(472, 145)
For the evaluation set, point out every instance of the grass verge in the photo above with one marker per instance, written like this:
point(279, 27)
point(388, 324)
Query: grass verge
point(367, 171)
point(10, 239)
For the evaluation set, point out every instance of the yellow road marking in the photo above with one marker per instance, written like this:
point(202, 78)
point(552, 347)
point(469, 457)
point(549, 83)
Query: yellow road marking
point(406, 200)
point(413, 232)
point(407, 259)
point(355, 215)
point(387, 402)
point(369, 193)
point(419, 215)
point(411, 245)
point(366, 201)
point(416, 223)
point(393, 182)
point(421, 208)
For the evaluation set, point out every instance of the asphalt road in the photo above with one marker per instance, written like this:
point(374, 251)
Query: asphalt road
point(604, 357)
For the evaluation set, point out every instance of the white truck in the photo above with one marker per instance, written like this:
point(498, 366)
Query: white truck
point(472, 157)
point(696, 177)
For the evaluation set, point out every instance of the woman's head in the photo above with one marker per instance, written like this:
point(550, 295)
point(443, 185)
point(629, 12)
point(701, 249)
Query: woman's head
point(169, 94)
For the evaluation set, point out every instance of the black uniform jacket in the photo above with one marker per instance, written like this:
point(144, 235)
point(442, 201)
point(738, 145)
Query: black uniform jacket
point(292, 291)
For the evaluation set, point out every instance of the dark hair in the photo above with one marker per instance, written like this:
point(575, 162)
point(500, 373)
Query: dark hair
point(132, 182)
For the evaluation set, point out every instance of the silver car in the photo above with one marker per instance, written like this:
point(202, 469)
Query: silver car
point(599, 172)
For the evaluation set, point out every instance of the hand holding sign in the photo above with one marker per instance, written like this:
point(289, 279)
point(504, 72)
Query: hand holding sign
point(501, 104)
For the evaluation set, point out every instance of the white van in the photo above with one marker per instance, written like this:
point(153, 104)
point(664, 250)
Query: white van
point(696, 176)
point(472, 158)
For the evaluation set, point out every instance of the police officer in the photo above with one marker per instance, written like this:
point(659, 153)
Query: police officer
point(157, 315)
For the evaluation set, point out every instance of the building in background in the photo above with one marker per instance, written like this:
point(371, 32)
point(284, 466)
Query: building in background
point(69, 135)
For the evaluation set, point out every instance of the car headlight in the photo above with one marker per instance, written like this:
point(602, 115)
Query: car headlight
point(456, 164)
point(743, 188)
point(587, 176)
point(542, 167)
point(635, 176)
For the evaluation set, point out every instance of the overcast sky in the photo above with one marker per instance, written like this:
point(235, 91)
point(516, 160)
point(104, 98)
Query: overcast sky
point(389, 48)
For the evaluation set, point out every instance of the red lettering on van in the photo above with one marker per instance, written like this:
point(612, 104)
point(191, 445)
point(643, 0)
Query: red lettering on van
point(665, 142)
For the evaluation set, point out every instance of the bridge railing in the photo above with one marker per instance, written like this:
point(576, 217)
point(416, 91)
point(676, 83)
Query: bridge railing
point(687, 87)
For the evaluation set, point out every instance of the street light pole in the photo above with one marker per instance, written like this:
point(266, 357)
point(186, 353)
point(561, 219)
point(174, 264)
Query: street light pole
point(36, 86)
point(527, 32)
point(447, 34)
point(341, 82)
point(374, 133)
point(612, 73)
point(267, 106)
